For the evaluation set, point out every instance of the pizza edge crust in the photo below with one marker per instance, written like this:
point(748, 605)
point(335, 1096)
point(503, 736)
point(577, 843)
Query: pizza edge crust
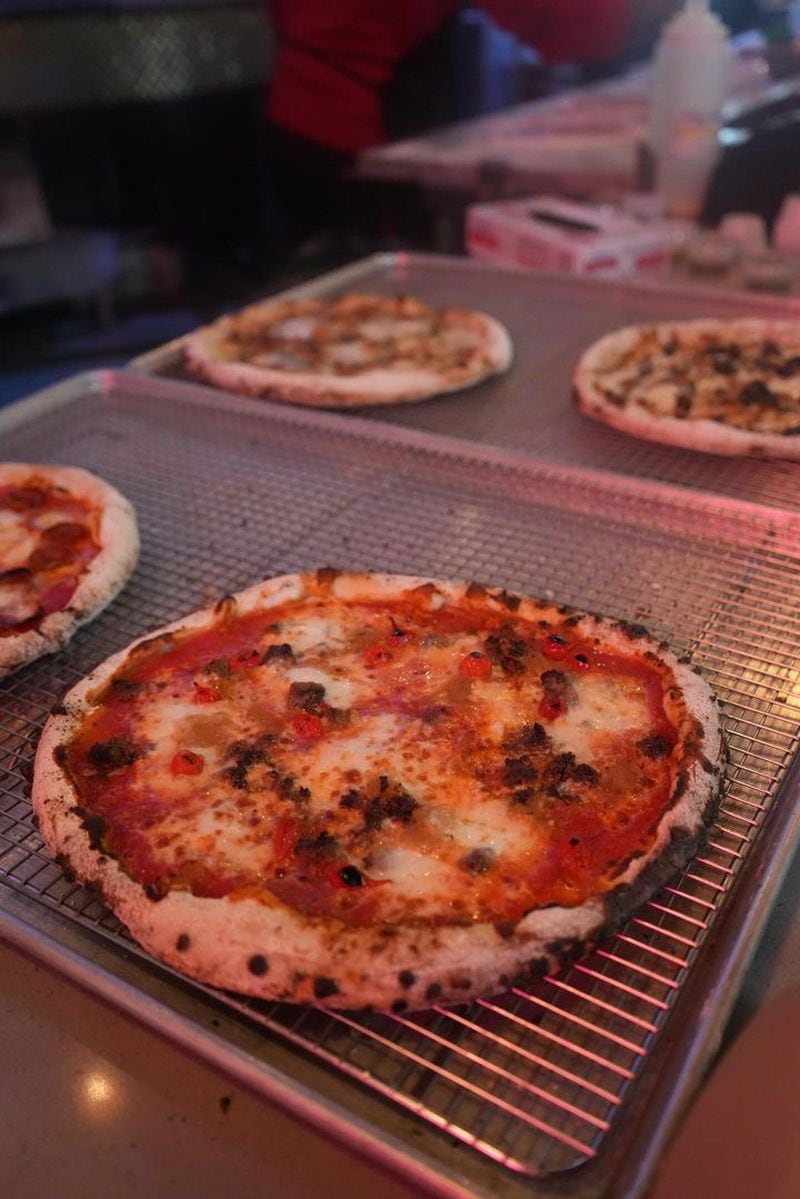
point(306, 959)
point(104, 577)
point(710, 436)
point(331, 391)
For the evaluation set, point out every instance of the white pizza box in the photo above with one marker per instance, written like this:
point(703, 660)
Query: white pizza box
point(549, 234)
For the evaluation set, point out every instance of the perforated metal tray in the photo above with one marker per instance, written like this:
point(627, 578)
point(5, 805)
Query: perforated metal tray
point(570, 1087)
point(552, 319)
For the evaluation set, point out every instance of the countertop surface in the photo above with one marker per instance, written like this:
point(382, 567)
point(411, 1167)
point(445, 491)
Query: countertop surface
point(90, 1099)
point(89, 1096)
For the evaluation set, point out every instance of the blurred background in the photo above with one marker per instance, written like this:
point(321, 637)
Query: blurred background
point(163, 160)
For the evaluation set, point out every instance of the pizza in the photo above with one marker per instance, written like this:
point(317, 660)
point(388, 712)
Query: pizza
point(379, 791)
point(348, 351)
point(730, 387)
point(68, 543)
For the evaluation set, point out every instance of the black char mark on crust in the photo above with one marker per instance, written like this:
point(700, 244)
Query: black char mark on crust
point(509, 600)
point(476, 591)
point(327, 575)
point(631, 630)
point(95, 827)
point(681, 783)
point(325, 987)
point(563, 953)
point(160, 640)
point(67, 867)
point(535, 969)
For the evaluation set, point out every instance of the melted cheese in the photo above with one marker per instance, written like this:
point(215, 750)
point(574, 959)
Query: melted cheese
point(603, 708)
point(17, 542)
point(300, 327)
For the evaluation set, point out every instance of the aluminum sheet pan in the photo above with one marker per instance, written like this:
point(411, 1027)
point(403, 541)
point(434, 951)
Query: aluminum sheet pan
point(572, 1084)
point(552, 319)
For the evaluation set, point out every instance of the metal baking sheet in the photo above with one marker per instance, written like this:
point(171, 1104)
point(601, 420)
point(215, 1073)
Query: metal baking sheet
point(574, 1084)
point(552, 319)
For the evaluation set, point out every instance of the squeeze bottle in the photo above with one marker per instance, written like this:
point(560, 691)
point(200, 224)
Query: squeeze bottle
point(690, 76)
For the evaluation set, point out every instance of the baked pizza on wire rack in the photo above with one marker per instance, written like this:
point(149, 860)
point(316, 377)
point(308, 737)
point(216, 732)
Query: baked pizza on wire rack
point(379, 791)
point(349, 351)
point(726, 386)
point(68, 543)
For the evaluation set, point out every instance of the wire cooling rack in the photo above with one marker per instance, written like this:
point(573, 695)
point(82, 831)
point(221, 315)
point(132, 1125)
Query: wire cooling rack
point(552, 319)
point(558, 1083)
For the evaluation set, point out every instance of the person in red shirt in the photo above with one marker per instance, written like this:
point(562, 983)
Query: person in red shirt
point(338, 61)
point(334, 57)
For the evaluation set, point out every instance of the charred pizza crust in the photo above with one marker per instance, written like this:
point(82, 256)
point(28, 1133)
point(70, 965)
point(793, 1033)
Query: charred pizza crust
point(351, 351)
point(101, 579)
point(267, 948)
point(726, 387)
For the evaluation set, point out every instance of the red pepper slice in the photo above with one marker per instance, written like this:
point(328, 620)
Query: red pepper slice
point(561, 649)
point(555, 647)
point(378, 654)
point(245, 660)
point(187, 762)
point(475, 665)
point(284, 838)
point(307, 726)
point(382, 651)
point(347, 877)
point(550, 707)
